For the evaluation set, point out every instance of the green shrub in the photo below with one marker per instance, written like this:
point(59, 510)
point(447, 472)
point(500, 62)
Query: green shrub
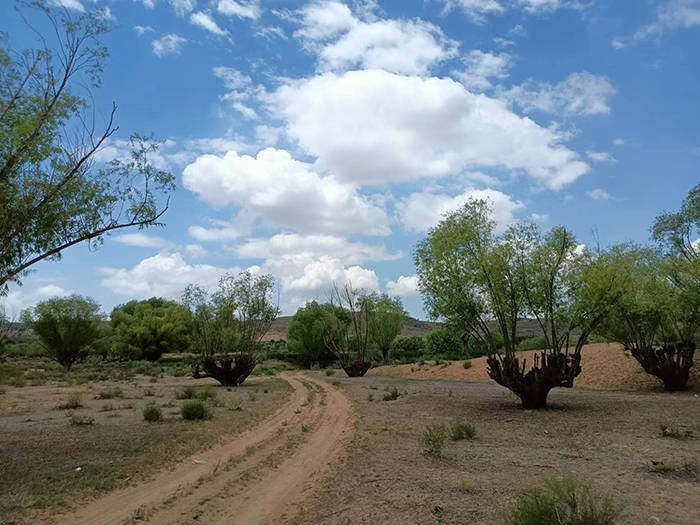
point(110, 393)
point(330, 371)
point(194, 409)
point(77, 420)
point(443, 343)
point(74, 401)
point(562, 501)
point(433, 439)
point(466, 364)
point(391, 395)
point(408, 349)
point(187, 393)
point(206, 395)
point(152, 412)
point(460, 430)
point(536, 342)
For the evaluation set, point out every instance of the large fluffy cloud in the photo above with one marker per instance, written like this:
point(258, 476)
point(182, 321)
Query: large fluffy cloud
point(295, 246)
point(284, 192)
point(163, 275)
point(404, 286)
point(373, 126)
point(421, 211)
point(343, 41)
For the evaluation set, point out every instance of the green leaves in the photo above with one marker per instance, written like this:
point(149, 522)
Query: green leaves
point(66, 327)
point(53, 192)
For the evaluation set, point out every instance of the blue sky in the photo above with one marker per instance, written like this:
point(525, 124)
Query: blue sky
point(318, 141)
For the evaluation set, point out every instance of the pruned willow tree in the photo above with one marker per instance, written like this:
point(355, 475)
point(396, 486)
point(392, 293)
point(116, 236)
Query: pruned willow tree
point(53, 192)
point(348, 334)
point(483, 282)
point(658, 318)
point(229, 325)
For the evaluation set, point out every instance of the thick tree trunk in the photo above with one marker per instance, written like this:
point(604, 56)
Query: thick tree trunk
point(228, 371)
point(549, 371)
point(356, 368)
point(670, 363)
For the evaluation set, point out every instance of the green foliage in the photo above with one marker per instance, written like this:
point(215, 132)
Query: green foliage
point(385, 317)
point(110, 393)
point(563, 501)
point(53, 193)
point(460, 430)
point(147, 329)
point(307, 335)
point(348, 334)
point(676, 232)
point(408, 349)
point(443, 343)
point(229, 325)
point(73, 402)
point(433, 439)
point(152, 412)
point(466, 364)
point(391, 395)
point(194, 409)
point(66, 327)
point(535, 342)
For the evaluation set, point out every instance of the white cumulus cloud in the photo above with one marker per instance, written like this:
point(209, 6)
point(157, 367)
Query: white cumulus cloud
point(284, 192)
point(399, 128)
point(404, 286)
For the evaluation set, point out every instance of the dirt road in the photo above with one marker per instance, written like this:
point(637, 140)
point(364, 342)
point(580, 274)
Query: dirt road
point(263, 475)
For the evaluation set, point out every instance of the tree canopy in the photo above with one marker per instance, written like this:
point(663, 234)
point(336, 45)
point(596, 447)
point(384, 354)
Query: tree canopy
point(53, 192)
point(66, 327)
point(386, 317)
point(147, 329)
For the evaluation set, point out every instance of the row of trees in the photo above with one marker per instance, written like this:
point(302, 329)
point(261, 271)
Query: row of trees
point(481, 283)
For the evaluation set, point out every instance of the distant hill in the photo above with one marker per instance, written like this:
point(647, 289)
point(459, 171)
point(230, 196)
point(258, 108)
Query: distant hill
point(411, 327)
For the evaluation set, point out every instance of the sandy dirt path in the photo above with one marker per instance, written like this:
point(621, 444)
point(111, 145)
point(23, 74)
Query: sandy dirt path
point(263, 475)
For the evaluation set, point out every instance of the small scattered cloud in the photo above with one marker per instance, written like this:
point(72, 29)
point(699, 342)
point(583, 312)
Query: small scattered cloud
point(207, 22)
point(168, 45)
point(619, 142)
point(670, 16)
point(141, 240)
point(250, 9)
point(580, 94)
point(601, 157)
point(141, 30)
point(599, 194)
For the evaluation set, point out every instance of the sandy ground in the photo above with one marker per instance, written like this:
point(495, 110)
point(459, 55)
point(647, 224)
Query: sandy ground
point(604, 367)
point(608, 439)
point(261, 476)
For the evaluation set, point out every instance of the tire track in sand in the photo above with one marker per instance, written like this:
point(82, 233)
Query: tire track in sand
point(263, 475)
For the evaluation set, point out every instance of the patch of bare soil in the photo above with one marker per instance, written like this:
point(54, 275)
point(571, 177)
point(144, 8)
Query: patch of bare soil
point(47, 463)
point(611, 440)
point(604, 367)
point(260, 476)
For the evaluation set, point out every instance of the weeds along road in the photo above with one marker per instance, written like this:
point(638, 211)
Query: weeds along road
point(263, 475)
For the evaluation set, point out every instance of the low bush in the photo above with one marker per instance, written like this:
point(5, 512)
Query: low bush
point(460, 430)
point(78, 420)
point(391, 395)
point(152, 412)
point(535, 342)
point(110, 393)
point(466, 364)
point(74, 401)
point(330, 371)
point(675, 431)
point(187, 393)
point(195, 409)
point(562, 501)
point(443, 343)
point(408, 349)
point(433, 439)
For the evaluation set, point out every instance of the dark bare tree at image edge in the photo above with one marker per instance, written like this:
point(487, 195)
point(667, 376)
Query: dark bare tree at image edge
point(53, 192)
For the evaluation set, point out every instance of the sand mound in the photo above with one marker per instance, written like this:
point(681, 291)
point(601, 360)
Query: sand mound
point(604, 367)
